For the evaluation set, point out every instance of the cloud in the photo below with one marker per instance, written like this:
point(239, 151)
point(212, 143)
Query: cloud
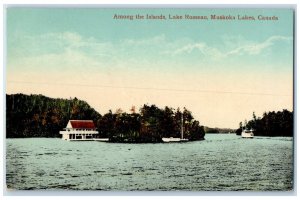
point(257, 48)
point(250, 48)
point(156, 40)
point(54, 52)
point(190, 47)
point(202, 48)
point(70, 49)
point(59, 43)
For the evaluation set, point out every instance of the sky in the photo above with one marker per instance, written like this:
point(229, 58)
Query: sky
point(221, 70)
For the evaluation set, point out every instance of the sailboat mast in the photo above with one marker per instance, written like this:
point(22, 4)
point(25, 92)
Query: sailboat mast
point(181, 125)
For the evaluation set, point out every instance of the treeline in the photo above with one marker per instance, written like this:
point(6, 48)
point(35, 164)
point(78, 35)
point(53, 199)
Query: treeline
point(218, 130)
point(271, 124)
point(40, 116)
point(149, 125)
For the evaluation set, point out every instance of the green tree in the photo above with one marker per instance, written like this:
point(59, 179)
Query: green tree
point(272, 124)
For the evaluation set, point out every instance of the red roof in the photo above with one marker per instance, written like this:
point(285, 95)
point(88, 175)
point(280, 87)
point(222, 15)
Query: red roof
point(89, 124)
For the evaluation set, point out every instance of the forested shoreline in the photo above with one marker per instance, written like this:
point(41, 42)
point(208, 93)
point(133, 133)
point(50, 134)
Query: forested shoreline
point(271, 124)
point(40, 116)
point(217, 130)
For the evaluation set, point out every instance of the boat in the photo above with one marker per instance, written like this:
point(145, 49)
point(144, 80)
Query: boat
point(171, 139)
point(247, 133)
point(181, 139)
point(101, 139)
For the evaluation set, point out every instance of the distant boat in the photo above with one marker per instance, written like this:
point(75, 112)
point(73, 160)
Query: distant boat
point(247, 133)
point(171, 139)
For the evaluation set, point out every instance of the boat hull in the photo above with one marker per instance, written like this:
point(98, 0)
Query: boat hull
point(247, 134)
point(250, 137)
point(170, 140)
point(167, 140)
point(101, 139)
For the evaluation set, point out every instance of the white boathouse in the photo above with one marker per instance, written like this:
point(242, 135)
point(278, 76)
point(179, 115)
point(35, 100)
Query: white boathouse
point(79, 130)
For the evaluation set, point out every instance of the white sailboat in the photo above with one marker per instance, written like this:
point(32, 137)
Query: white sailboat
point(181, 139)
point(171, 139)
point(101, 139)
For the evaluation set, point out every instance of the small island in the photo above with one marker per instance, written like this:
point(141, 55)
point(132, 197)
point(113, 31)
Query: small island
point(41, 116)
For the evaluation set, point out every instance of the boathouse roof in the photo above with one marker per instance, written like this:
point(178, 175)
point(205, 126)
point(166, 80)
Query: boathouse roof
point(83, 124)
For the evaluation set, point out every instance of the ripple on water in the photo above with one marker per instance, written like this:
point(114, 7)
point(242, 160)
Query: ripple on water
point(127, 173)
point(222, 162)
point(99, 171)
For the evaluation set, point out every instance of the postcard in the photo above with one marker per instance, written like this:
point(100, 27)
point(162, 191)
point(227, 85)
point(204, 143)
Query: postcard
point(149, 99)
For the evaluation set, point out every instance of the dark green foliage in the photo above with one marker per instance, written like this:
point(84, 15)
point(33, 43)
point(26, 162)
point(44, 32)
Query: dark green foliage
point(211, 130)
point(150, 125)
point(40, 116)
point(218, 130)
point(271, 124)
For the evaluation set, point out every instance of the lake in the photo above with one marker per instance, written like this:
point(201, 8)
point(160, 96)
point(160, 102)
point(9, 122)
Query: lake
point(222, 162)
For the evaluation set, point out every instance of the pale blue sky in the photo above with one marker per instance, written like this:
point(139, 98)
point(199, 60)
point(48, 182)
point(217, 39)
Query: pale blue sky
point(206, 57)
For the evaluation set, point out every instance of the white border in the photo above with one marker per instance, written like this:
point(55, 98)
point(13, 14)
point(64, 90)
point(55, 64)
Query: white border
point(147, 3)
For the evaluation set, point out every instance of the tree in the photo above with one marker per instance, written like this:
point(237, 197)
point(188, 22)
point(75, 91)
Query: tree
point(272, 124)
point(40, 116)
point(239, 130)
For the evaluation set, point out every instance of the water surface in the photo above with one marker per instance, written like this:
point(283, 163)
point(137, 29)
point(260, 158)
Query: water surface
point(222, 162)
